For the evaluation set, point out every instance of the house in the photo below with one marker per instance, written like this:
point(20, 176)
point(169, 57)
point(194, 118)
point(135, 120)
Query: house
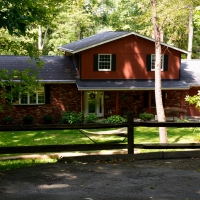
point(108, 73)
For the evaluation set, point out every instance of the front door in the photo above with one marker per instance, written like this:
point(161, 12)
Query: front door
point(94, 103)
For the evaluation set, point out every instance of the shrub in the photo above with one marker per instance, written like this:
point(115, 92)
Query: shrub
point(116, 119)
point(103, 121)
point(28, 119)
point(91, 118)
point(146, 116)
point(183, 120)
point(7, 120)
point(48, 119)
point(72, 117)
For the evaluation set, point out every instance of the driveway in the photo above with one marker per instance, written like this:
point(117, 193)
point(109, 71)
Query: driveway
point(115, 178)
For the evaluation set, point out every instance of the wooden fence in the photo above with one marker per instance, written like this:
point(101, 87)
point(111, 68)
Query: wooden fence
point(130, 124)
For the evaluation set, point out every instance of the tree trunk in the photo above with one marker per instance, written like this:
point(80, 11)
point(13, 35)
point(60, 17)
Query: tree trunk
point(190, 34)
point(41, 41)
point(158, 87)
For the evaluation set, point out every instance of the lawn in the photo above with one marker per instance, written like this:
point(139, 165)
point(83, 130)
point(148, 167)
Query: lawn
point(53, 137)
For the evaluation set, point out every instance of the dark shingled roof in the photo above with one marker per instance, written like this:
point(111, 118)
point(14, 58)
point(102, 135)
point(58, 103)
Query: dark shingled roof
point(60, 69)
point(190, 72)
point(93, 40)
point(56, 68)
point(103, 38)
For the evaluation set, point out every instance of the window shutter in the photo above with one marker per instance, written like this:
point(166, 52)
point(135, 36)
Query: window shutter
point(165, 63)
point(47, 94)
point(95, 62)
point(113, 67)
point(148, 62)
point(146, 99)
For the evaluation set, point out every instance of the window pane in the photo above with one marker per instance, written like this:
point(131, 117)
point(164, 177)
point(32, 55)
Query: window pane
point(105, 62)
point(24, 99)
point(41, 96)
point(33, 99)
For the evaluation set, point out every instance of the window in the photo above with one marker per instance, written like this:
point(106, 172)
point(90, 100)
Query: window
point(37, 97)
point(153, 59)
point(104, 62)
point(151, 62)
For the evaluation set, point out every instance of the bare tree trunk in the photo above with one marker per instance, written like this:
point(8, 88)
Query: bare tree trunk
point(41, 41)
point(158, 64)
point(190, 34)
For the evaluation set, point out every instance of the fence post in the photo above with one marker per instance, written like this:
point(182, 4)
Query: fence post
point(130, 133)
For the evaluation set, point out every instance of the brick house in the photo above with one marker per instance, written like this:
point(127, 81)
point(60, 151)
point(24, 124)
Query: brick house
point(108, 73)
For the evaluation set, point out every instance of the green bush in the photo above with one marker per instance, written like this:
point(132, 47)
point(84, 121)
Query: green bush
point(91, 118)
point(48, 119)
point(7, 120)
point(183, 120)
point(116, 119)
point(72, 117)
point(28, 119)
point(146, 116)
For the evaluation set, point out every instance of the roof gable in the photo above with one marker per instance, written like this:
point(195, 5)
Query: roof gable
point(102, 38)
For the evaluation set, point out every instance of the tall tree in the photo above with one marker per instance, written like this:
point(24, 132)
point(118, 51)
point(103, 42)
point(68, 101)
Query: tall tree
point(157, 30)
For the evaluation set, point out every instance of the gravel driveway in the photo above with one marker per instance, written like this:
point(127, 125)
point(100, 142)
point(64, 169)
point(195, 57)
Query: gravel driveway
point(163, 179)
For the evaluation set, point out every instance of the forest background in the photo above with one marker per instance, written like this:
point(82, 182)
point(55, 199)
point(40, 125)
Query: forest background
point(52, 23)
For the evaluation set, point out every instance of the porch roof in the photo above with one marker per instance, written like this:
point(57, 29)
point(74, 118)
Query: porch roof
point(57, 69)
point(130, 85)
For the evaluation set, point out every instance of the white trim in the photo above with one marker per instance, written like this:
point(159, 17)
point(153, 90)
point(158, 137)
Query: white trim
point(128, 88)
point(119, 37)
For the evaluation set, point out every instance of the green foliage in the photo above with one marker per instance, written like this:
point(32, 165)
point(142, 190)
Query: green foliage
point(194, 100)
point(72, 117)
point(146, 116)
point(7, 120)
point(13, 164)
point(91, 118)
point(28, 119)
point(116, 119)
point(48, 119)
point(183, 120)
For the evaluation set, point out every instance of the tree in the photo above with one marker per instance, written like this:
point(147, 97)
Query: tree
point(194, 100)
point(16, 19)
point(157, 30)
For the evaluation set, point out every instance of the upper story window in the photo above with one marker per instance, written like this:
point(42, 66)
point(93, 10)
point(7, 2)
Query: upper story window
point(38, 97)
point(153, 59)
point(104, 62)
point(151, 62)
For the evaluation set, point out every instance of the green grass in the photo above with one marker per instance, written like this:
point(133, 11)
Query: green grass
point(53, 137)
point(12, 164)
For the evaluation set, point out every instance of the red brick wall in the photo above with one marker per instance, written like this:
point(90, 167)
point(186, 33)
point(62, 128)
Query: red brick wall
point(63, 97)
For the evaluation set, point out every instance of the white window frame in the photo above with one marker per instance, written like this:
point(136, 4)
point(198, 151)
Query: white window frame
point(28, 99)
point(110, 68)
point(153, 59)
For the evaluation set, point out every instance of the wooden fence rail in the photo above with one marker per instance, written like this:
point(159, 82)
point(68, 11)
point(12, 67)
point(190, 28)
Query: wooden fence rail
point(130, 124)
